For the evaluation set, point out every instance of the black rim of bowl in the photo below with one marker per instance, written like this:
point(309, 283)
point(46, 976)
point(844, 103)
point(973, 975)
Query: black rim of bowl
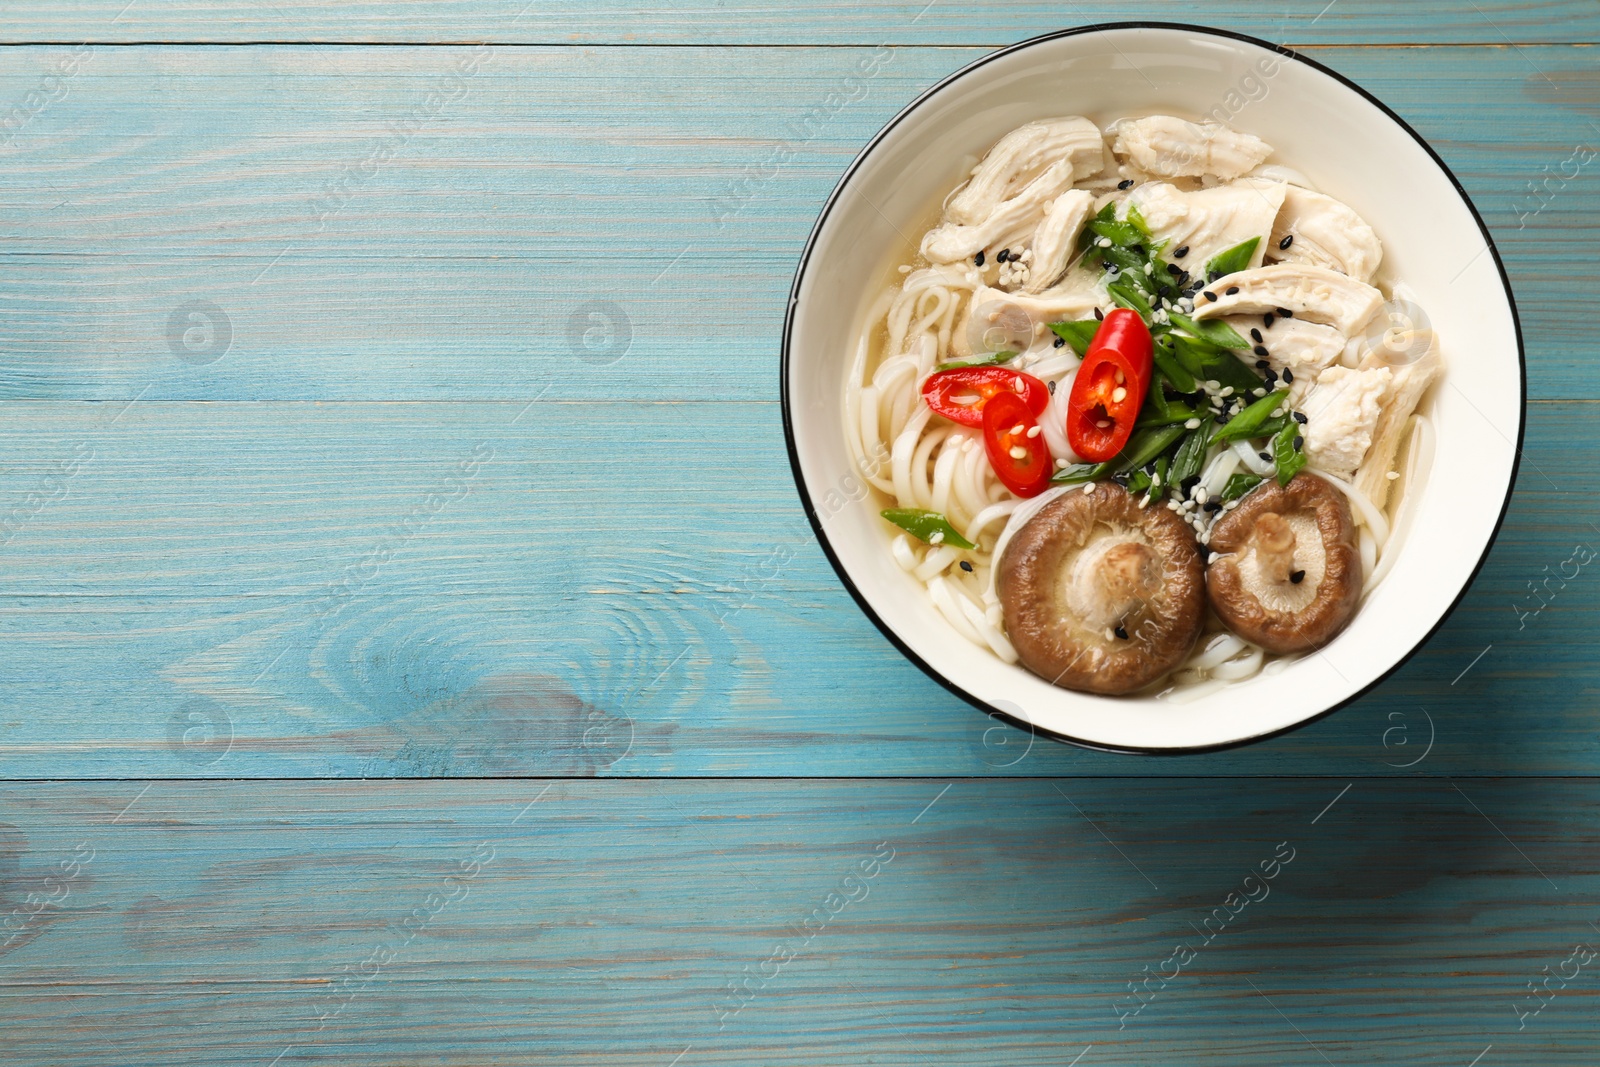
point(816, 522)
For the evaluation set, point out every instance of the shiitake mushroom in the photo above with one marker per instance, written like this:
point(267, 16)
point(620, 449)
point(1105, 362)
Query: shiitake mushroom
point(1287, 570)
point(1102, 595)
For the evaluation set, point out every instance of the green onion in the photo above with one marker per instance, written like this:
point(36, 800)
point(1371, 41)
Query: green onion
point(1289, 458)
point(1192, 453)
point(1234, 259)
point(1145, 445)
point(1133, 216)
point(1248, 422)
point(1077, 334)
point(981, 361)
point(1218, 333)
point(1240, 484)
point(1167, 363)
point(1139, 482)
point(1079, 473)
point(1128, 296)
point(929, 526)
point(1120, 233)
point(1208, 362)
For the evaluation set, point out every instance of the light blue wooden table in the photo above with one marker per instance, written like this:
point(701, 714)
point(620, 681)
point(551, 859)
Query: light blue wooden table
point(412, 650)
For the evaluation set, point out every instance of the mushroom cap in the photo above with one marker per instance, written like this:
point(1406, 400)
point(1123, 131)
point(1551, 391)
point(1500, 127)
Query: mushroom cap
point(1088, 563)
point(1275, 532)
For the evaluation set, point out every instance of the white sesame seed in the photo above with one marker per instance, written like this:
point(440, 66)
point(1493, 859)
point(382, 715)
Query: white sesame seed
point(1149, 268)
point(1172, 505)
point(1200, 494)
point(1118, 395)
point(905, 268)
point(1062, 464)
point(1018, 452)
point(1392, 475)
point(1035, 431)
point(1259, 392)
point(935, 537)
point(1227, 390)
point(1088, 488)
point(1212, 383)
point(1230, 505)
point(1192, 424)
point(1104, 242)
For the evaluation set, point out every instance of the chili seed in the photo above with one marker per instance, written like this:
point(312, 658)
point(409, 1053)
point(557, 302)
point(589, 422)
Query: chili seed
point(1297, 577)
point(978, 259)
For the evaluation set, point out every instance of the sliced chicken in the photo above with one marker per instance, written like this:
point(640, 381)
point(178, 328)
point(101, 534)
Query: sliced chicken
point(1307, 292)
point(1410, 381)
point(1305, 349)
point(1062, 304)
point(1021, 156)
point(1056, 239)
point(1169, 147)
point(1342, 412)
point(1208, 221)
point(1010, 223)
point(1324, 232)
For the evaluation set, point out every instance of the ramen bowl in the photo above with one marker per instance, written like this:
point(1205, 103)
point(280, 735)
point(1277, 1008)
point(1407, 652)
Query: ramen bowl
point(1355, 149)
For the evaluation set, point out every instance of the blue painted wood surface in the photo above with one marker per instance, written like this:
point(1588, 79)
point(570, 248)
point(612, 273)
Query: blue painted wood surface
point(468, 466)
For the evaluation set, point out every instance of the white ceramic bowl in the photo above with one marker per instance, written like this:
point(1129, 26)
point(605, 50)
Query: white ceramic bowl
point(1353, 148)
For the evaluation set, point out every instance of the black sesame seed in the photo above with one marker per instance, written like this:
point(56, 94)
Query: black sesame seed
point(1288, 376)
point(1297, 577)
point(1136, 249)
point(1206, 552)
point(1183, 279)
point(1255, 335)
point(1126, 183)
point(1285, 313)
point(1121, 633)
point(1189, 483)
point(1265, 456)
point(1260, 350)
point(1051, 386)
point(1272, 378)
point(966, 566)
point(1180, 253)
point(1060, 341)
point(1300, 417)
point(978, 259)
point(1232, 289)
point(1005, 254)
point(1099, 314)
point(1262, 364)
point(1299, 442)
point(1267, 320)
point(1174, 269)
point(1212, 505)
point(1209, 295)
point(1286, 242)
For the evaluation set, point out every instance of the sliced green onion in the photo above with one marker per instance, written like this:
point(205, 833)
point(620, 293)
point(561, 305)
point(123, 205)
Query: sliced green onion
point(1209, 362)
point(1079, 473)
point(1289, 458)
point(981, 361)
point(1248, 422)
point(1145, 445)
point(1240, 484)
point(1218, 333)
point(929, 526)
point(1233, 259)
point(1077, 334)
point(1192, 453)
point(1168, 364)
point(1128, 296)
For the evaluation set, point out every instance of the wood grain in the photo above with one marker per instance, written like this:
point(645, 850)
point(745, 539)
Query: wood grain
point(602, 923)
point(598, 222)
point(833, 22)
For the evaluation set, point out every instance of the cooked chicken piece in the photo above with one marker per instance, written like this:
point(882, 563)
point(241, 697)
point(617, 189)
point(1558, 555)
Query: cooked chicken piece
point(1325, 233)
point(1342, 412)
point(1021, 156)
point(1307, 292)
point(1009, 224)
point(1305, 349)
point(1169, 147)
point(1056, 239)
point(1208, 221)
point(994, 309)
point(1410, 381)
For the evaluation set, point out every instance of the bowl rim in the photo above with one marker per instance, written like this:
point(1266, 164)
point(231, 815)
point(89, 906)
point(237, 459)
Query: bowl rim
point(816, 521)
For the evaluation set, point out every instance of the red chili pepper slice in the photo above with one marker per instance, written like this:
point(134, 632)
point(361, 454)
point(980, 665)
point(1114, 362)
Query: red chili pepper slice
point(1020, 461)
point(977, 386)
point(1110, 387)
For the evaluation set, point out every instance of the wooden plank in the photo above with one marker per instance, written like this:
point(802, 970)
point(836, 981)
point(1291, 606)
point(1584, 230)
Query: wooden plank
point(599, 222)
point(602, 923)
point(833, 22)
point(444, 588)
